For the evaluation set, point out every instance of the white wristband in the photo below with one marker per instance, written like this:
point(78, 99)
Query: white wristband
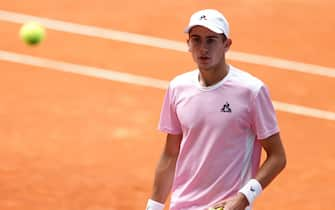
point(251, 190)
point(154, 205)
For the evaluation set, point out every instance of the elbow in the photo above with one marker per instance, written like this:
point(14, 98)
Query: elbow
point(282, 162)
point(279, 162)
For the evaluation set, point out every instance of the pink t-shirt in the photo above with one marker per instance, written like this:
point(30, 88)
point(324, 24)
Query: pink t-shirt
point(221, 126)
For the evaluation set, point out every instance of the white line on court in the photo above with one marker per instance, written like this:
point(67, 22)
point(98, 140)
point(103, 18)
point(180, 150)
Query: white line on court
point(139, 80)
point(163, 43)
point(83, 70)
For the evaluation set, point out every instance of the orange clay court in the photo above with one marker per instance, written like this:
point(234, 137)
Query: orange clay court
point(75, 142)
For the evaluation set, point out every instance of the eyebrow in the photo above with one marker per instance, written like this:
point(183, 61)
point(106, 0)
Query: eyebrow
point(207, 37)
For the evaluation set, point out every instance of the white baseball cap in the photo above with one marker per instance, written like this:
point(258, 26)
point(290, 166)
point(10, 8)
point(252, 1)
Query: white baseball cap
point(211, 19)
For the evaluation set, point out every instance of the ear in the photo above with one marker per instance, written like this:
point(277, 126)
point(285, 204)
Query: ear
point(228, 43)
point(189, 45)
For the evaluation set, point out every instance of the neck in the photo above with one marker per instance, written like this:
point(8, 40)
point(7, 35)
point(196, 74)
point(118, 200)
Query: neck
point(209, 77)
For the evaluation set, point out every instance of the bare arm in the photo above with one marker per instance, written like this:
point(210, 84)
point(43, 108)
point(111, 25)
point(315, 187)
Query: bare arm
point(275, 160)
point(165, 169)
point(274, 163)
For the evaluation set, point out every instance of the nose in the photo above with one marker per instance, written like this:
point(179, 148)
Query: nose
point(203, 47)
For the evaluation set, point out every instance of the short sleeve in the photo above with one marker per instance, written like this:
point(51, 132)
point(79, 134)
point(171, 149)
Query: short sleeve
point(264, 121)
point(169, 122)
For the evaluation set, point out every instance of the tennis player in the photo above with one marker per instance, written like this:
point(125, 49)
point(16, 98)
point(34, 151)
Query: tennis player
point(217, 119)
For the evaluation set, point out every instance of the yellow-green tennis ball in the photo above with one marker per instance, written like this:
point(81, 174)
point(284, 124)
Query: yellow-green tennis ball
point(32, 33)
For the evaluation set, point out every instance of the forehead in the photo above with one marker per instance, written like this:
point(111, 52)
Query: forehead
point(202, 31)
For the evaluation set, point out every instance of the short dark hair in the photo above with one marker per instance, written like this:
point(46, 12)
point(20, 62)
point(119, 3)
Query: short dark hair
point(224, 37)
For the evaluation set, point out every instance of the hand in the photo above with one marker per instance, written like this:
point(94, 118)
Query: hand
point(219, 208)
point(237, 202)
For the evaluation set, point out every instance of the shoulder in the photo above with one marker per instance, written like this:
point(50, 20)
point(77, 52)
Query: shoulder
point(245, 80)
point(184, 80)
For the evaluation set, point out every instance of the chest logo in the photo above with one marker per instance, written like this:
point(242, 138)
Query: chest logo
point(226, 108)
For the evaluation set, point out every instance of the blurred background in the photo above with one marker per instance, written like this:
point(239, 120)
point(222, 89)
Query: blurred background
point(79, 111)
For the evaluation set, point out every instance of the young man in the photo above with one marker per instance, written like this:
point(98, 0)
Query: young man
point(217, 119)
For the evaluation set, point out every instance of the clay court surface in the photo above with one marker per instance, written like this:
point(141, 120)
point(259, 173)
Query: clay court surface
point(75, 142)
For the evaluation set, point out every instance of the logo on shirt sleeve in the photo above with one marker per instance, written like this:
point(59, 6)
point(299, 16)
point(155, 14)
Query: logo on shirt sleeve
point(226, 108)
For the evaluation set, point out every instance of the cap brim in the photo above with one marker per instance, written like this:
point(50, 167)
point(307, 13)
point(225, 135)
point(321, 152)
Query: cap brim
point(210, 27)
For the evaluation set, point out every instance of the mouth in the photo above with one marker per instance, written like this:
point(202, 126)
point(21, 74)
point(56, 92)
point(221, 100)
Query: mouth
point(203, 59)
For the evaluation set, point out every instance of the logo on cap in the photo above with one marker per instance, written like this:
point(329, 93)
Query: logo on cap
point(203, 17)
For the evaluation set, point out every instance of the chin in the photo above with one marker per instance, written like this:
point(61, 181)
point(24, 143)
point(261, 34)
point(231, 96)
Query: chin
point(205, 67)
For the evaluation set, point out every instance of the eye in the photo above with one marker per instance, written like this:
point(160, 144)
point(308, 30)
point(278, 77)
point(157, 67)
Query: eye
point(210, 40)
point(195, 40)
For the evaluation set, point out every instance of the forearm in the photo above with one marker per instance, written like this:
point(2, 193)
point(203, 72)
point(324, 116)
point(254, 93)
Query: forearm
point(164, 178)
point(270, 168)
